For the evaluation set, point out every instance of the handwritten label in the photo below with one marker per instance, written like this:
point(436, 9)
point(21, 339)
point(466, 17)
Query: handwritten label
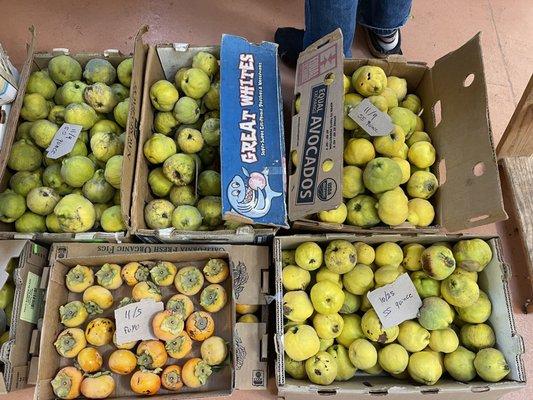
point(395, 302)
point(371, 119)
point(33, 300)
point(63, 141)
point(133, 322)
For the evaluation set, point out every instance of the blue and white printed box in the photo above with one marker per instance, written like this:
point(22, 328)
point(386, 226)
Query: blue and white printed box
point(252, 138)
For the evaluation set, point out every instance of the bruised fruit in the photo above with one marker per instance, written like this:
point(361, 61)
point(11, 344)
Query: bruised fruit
point(438, 262)
point(373, 330)
point(382, 174)
point(99, 331)
point(478, 312)
point(321, 368)
point(359, 280)
point(326, 297)
point(459, 290)
point(308, 256)
point(145, 382)
point(200, 326)
point(477, 336)
point(297, 306)
point(345, 368)
point(296, 369)
point(328, 326)
point(158, 214)
point(473, 254)
point(70, 342)
point(340, 256)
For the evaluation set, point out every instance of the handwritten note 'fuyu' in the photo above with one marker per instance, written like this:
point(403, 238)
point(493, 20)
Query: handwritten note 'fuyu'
point(371, 119)
point(395, 302)
point(63, 141)
point(134, 321)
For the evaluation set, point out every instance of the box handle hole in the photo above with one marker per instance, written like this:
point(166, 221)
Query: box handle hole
point(479, 218)
point(326, 392)
point(442, 172)
point(468, 80)
point(437, 113)
point(329, 78)
point(479, 169)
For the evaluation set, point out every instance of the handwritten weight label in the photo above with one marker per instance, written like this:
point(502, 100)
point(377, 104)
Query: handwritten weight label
point(134, 321)
point(63, 141)
point(395, 302)
point(371, 119)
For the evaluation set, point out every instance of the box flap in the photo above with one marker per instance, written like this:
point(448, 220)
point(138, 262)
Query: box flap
point(11, 128)
point(132, 124)
point(252, 138)
point(317, 130)
point(251, 372)
point(470, 194)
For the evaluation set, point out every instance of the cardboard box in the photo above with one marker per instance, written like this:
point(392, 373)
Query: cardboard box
point(493, 280)
point(39, 60)
point(162, 62)
point(28, 276)
point(253, 173)
point(248, 265)
point(455, 116)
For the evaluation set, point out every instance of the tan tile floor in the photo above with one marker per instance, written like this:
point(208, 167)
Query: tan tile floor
point(434, 29)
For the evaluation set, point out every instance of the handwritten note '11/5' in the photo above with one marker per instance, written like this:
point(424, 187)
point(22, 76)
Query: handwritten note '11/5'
point(395, 302)
point(134, 321)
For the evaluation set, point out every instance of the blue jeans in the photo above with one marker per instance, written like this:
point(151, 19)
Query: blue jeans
point(324, 16)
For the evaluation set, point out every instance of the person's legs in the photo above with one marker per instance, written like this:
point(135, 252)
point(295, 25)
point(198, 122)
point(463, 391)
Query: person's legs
point(382, 21)
point(324, 16)
point(321, 17)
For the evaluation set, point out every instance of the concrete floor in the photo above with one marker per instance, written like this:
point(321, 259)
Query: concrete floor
point(434, 29)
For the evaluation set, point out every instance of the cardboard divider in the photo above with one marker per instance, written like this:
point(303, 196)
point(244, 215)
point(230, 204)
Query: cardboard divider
point(466, 164)
point(244, 280)
point(39, 60)
point(15, 354)
point(493, 280)
point(162, 62)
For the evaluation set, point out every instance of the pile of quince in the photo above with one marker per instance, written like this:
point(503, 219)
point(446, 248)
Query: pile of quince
point(183, 151)
point(386, 179)
point(332, 331)
point(152, 364)
point(80, 191)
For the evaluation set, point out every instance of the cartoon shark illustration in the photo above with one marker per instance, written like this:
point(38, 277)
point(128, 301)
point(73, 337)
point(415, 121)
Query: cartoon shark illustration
point(251, 198)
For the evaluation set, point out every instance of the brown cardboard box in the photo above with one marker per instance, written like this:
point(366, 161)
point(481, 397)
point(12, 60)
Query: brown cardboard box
point(248, 264)
point(455, 116)
point(493, 280)
point(39, 60)
point(16, 353)
point(162, 62)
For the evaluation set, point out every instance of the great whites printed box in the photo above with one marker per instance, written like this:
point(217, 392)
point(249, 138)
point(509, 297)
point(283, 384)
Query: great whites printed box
point(20, 353)
point(248, 284)
point(455, 115)
point(39, 60)
point(493, 280)
point(162, 62)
